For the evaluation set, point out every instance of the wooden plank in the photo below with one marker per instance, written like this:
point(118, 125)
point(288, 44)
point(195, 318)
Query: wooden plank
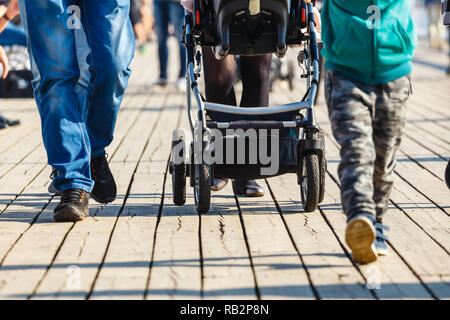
point(437, 122)
point(227, 270)
point(279, 271)
point(430, 92)
point(410, 151)
point(28, 260)
point(22, 198)
point(429, 142)
point(85, 244)
point(132, 241)
point(427, 184)
point(12, 184)
point(176, 260)
point(332, 273)
point(15, 135)
point(426, 215)
point(20, 214)
point(18, 153)
point(176, 265)
point(33, 235)
point(389, 276)
point(424, 257)
point(18, 109)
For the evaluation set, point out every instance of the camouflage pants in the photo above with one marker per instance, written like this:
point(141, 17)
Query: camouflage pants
point(367, 122)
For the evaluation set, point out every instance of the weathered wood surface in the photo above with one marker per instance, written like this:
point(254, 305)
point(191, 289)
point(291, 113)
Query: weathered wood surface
point(141, 246)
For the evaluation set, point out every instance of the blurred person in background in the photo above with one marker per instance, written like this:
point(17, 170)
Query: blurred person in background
point(12, 33)
point(7, 13)
point(142, 22)
point(169, 12)
point(435, 27)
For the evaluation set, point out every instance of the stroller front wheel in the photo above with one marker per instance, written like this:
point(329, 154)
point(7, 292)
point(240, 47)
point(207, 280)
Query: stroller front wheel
point(202, 187)
point(310, 182)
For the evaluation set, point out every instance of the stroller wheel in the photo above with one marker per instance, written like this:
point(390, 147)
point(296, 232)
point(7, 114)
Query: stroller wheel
point(447, 174)
point(178, 168)
point(323, 167)
point(323, 171)
point(202, 187)
point(310, 183)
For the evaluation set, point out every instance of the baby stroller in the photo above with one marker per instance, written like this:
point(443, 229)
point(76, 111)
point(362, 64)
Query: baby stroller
point(293, 139)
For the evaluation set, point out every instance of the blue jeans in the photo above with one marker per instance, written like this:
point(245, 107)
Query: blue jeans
point(169, 12)
point(13, 35)
point(81, 72)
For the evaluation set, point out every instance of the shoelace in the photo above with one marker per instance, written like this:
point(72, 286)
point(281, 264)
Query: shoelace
point(99, 167)
point(72, 195)
point(379, 227)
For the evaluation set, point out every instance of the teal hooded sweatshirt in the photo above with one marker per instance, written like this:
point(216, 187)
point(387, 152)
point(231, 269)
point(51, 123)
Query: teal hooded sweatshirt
point(371, 41)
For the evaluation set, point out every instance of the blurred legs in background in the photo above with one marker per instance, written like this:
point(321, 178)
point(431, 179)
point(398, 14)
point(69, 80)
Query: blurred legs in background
point(165, 13)
point(435, 26)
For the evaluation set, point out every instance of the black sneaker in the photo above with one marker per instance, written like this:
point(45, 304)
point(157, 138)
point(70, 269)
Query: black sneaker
point(248, 188)
point(381, 238)
point(105, 189)
point(74, 206)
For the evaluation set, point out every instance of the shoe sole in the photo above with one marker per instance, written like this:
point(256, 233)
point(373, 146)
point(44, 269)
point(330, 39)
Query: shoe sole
point(382, 252)
point(251, 195)
point(218, 189)
point(68, 216)
point(360, 236)
point(103, 201)
point(255, 194)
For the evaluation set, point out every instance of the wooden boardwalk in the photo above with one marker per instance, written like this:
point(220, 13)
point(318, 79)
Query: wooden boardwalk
point(142, 246)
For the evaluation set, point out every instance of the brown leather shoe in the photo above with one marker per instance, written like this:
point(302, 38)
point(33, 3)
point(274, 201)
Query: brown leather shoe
point(219, 184)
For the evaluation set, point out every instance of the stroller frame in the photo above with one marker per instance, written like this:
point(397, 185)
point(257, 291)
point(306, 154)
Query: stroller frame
point(311, 156)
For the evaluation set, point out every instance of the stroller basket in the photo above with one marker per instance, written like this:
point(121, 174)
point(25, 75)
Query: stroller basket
point(249, 157)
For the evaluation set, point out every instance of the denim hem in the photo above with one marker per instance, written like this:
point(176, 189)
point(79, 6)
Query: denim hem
point(68, 186)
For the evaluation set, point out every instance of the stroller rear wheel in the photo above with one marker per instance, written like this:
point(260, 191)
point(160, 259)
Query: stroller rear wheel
point(202, 187)
point(322, 168)
point(447, 174)
point(310, 183)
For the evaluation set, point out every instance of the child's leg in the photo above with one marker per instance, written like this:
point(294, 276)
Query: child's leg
point(350, 104)
point(389, 120)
